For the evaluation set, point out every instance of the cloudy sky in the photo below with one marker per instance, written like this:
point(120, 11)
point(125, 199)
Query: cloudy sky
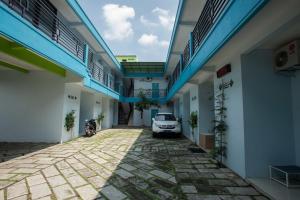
point(138, 27)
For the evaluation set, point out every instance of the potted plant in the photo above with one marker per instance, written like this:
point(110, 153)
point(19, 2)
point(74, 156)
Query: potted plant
point(70, 122)
point(193, 121)
point(220, 125)
point(100, 118)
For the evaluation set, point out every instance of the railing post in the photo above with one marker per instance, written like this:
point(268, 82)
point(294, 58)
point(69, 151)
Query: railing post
point(86, 54)
point(191, 45)
point(181, 62)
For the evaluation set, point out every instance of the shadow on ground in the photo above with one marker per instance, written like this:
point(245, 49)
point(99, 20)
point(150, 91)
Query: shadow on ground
point(121, 164)
point(11, 150)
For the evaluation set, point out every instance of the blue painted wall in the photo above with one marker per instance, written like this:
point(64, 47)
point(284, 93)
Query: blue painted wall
point(268, 119)
point(295, 81)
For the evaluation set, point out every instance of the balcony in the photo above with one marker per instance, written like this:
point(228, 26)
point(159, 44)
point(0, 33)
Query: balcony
point(43, 16)
point(208, 18)
point(97, 72)
point(150, 93)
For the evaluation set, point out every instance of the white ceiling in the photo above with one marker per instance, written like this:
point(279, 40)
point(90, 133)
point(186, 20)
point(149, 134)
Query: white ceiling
point(75, 23)
point(187, 20)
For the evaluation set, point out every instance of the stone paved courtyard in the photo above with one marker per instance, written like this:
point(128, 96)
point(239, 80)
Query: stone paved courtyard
point(120, 164)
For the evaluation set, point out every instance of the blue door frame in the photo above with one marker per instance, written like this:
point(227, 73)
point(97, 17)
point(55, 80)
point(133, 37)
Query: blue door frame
point(155, 90)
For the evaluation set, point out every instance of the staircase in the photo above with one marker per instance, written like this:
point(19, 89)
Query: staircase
point(126, 109)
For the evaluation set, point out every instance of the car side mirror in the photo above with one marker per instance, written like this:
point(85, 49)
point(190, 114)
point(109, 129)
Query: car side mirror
point(153, 119)
point(177, 119)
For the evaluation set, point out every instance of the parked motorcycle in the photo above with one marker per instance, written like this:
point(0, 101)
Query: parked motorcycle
point(90, 127)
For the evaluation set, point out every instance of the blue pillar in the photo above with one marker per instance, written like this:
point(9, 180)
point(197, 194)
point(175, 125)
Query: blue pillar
point(86, 54)
point(191, 45)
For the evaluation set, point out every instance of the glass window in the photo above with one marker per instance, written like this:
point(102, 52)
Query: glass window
point(165, 117)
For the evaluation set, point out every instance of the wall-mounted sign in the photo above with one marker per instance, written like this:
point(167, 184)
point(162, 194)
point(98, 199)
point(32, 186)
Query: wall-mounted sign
point(224, 70)
point(72, 97)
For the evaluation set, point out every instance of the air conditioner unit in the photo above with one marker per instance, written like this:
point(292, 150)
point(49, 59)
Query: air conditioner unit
point(287, 56)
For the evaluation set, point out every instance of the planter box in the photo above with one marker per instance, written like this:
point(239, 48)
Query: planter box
point(207, 140)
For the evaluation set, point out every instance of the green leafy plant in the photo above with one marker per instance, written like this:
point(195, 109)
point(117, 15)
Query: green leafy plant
point(193, 121)
point(144, 104)
point(70, 120)
point(100, 118)
point(220, 126)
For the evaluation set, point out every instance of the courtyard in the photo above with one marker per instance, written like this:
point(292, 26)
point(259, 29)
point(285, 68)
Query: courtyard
point(119, 164)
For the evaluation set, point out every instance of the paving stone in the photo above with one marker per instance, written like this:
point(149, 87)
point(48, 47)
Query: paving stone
point(76, 181)
point(63, 192)
point(25, 171)
point(242, 191)
point(190, 189)
point(56, 180)
point(161, 174)
point(24, 197)
point(112, 193)
point(260, 198)
point(202, 197)
point(127, 167)
point(68, 172)
point(6, 176)
point(35, 180)
point(123, 173)
point(16, 190)
point(221, 182)
point(87, 192)
point(1, 194)
point(97, 181)
point(39, 191)
point(50, 171)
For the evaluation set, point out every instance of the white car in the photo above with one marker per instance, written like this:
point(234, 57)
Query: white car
point(165, 123)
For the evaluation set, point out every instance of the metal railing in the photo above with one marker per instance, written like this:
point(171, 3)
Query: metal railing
point(209, 15)
point(150, 93)
point(98, 73)
point(43, 15)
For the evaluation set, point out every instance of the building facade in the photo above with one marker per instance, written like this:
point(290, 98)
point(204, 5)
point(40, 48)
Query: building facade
point(55, 62)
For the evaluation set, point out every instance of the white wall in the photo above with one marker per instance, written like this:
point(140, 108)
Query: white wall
point(206, 106)
point(146, 121)
point(31, 106)
point(185, 108)
point(97, 108)
point(235, 119)
point(108, 111)
point(140, 83)
point(269, 136)
point(295, 81)
point(87, 103)
point(194, 107)
point(71, 103)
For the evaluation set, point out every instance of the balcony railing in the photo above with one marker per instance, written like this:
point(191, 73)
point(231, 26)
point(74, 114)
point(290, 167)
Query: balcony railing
point(43, 15)
point(150, 93)
point(98, 73)
point(210, 14)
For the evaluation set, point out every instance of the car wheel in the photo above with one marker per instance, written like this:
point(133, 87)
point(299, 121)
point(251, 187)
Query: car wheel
point(154, 134)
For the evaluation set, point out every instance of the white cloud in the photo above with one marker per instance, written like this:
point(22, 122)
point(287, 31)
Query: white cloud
point(164, 43)
point(117, 18)
point(165, 19)
point(148, 40)
point(147, 22)
point(152, 40)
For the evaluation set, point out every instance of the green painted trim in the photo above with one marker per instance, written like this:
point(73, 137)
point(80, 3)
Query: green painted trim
point(30, 57)
point(14, 67)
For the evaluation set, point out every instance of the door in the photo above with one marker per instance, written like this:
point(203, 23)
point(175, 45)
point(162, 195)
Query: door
point(153, 113)
point(155, 90)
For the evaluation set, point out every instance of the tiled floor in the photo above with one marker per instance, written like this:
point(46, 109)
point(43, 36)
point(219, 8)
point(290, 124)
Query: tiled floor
point(120, 164)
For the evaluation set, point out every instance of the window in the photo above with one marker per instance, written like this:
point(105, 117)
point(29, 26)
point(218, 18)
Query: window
point(165, 117)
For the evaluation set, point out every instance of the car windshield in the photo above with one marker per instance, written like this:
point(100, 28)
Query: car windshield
point(165, 117)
